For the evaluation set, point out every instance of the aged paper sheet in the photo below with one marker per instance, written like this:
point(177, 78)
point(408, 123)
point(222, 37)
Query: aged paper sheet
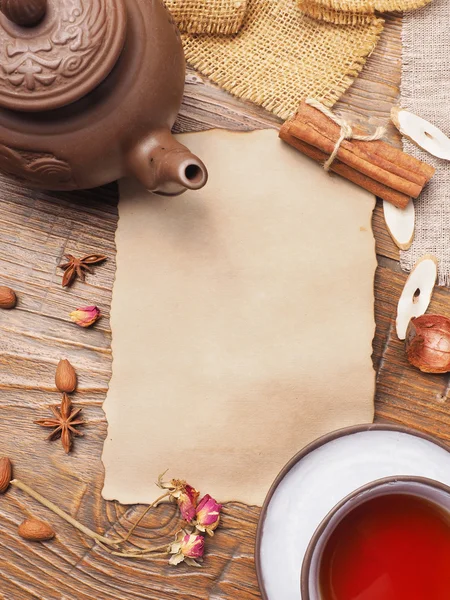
point(242, 321)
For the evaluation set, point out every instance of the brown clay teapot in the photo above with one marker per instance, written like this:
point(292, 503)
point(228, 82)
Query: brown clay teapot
point(89, 91)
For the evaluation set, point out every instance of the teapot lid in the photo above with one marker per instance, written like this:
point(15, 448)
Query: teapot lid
point(53, 52)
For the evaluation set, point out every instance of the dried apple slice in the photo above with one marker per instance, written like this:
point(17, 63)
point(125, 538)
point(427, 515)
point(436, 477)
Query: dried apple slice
point(400, 223)
point(421, 132)
point(416, 294)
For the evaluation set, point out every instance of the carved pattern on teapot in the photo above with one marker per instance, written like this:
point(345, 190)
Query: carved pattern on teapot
point(34, 166)
point(66, 51)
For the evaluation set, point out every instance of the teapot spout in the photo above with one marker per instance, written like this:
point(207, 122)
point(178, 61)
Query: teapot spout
point(164, 166)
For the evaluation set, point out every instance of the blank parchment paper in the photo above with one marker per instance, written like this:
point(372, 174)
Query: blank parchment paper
point(242, 321)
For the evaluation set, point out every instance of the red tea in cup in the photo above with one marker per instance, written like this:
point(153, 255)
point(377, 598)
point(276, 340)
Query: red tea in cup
point(391, 547)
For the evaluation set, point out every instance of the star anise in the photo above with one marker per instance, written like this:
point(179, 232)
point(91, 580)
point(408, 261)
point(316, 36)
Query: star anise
point(64, 422)
point(77, 267)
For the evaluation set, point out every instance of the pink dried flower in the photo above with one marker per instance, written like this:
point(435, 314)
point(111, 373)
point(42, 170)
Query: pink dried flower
point(185, 495)
point(207, 515)
point(187, 501)
point(188, 548)
point(193, 546)
point(85, 316)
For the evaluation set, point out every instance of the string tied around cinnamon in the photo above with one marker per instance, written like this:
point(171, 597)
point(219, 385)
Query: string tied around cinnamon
point(346, 131)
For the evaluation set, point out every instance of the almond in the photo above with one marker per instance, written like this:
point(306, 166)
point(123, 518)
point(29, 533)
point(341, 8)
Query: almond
point(34, 530)
point(8, 298)
point(65, 377)
point(5, 474)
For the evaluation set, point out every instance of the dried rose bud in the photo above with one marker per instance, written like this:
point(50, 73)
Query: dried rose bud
point(184, 494)
point(187, 501)
point(428, 343)
point(207, 516)
point(187, 547)
point(193, 546)
point(85, 316)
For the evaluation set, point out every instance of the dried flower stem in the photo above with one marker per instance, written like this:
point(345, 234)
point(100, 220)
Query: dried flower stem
point(141, 556)
point(150, 550)
point(155, 503)
point(92, 534)
point(138, 553)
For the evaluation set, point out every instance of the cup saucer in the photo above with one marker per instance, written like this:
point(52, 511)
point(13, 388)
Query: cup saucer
point(319, 477)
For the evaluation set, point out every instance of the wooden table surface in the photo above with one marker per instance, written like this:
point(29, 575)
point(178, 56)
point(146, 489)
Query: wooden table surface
point(36, 229)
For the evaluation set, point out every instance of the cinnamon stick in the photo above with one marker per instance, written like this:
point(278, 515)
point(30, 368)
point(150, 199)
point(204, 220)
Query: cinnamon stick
point(383, 154)
point(378, 189)
point(374, 165)
point(397, 156)
point(367, 151)
point(310, 135)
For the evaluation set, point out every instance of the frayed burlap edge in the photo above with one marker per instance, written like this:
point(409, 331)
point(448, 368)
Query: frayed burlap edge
point(329, 96)
point(399, 5)
point(211, 28)
point(310, 8)
point(197, 18)
point(344, 13)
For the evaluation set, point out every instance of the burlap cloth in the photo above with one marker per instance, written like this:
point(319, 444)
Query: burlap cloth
point(355, 11)
point(208, 16)
point(425, 91)
point(281, 56)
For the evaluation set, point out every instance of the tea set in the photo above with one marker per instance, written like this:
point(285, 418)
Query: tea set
point(324, 483)
point(89, 91)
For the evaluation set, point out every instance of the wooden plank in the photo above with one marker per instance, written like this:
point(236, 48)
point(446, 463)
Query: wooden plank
point(36, 229)
point(404, 394)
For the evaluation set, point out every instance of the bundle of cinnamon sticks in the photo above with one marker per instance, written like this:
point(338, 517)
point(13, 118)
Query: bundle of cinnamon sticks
point(376, 166)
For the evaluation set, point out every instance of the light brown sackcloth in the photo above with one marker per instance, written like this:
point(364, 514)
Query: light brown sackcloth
point(351, 12)
point(208, 16)
point(425, 91)
point(242, 321)
point(280, 56)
